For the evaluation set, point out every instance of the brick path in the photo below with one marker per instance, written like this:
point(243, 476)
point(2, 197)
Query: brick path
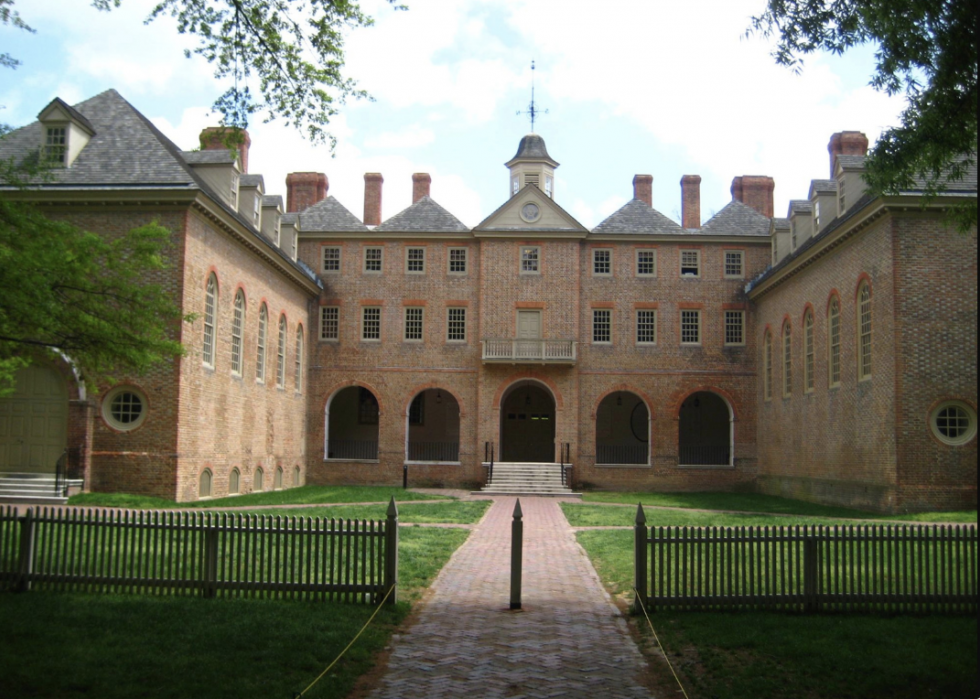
point(569, 640)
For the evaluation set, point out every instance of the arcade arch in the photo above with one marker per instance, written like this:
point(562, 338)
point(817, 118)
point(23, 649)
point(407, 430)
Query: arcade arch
point(527, 423)
point(706, 431)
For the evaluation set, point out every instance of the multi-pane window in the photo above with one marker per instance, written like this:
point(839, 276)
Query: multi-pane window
point(56, 145)
point(690, 263)
point(457, 260)
point(601, 325)
point(646, 263)
point(299, 359)
point(210, 301)
point(841, 198)
point(372, 259)
point(646, 326)
point(833, 344)
point(808, 380)
point(237, 321)
point(257, 210)
point(816, 215)
point(864, 332)
point(530, 260)
point(371, 323)
point(329, 323)
point(415, 260)
point(281, 354)
point(734, 327)
point(331, 259)
point(792, 234)
point(775, 250)
point(787, 359)
point(413, 324)
point(260, 346)
point(690, 327)
point(734, 264)
point(456, 325)
point(767, 366)
point(602, 263)
point(954, 423)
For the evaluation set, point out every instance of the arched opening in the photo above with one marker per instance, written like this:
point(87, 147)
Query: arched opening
point(706, 431)
point(527, 424)
point(34, 421)
point(233, 481)
point(277, 479)
point(258, 480)
point(296, 477)
point(622, 430)
point(352, 418)
point(433, 427)
point(205, 486)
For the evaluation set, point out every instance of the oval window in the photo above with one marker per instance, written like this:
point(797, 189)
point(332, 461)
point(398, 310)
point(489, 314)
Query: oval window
point(954, 423)
point(124, 408)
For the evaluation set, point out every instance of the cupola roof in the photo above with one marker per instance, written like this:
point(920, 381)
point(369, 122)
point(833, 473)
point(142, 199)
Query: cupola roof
point(532, 148)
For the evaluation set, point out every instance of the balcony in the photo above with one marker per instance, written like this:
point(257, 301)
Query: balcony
point(528, 351)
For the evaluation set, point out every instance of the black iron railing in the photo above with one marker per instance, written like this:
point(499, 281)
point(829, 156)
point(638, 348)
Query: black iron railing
point(698, 455)
point(357, 449)
point(488, 459)
point(621, 454)
point(61, 475)
point(433, 451)
point(565, 449)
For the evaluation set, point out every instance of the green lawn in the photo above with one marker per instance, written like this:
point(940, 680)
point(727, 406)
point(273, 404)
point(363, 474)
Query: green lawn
point(305, 495)
point(120, 646)
point(448, 512)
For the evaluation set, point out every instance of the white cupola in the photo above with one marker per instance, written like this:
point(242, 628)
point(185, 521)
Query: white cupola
point(532, 165)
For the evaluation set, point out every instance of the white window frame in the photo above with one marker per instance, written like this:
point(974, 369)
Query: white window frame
point(740, 256)
point(260, 344)
point(734, 323)
point(56, 145)
point(369, 262)
point(652, 261)
point(767, 366)
point(298, 363)
point(841, 196)
point(864, 328)
point(281, 354)
point(696, 265)
point(336, 257)
point(530, 264)
point(809, 355)
point(456, 324)
point(329, 326)
point(237, 325)
point(601, 326)
point(415, 260)
point(646, 322)
point(940, 420)
point(370, 325)
point(414, 322)
point(602, 267)
point(787, 339)
point(208, 349)
point(127, 401)
point(463, 259)
point(690, 318)
point(834, 343)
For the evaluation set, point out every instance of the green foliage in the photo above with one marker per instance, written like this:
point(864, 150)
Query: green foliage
point(283, 59)
point(926, 50)
point(9, 16)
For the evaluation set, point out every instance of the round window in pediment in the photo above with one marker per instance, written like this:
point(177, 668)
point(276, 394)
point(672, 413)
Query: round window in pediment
point(530, 212)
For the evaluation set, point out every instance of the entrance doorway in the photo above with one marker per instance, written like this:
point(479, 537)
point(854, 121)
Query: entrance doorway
point(527, 430)
point(34, 422)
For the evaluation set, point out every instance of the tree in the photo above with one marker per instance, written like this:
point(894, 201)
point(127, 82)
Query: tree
point(927, 49)
point(79, 294)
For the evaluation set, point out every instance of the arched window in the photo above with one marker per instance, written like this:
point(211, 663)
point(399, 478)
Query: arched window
point(237, 323)
point(296, 477)
point(833, 342)
point(864, 332)
point(281, 354)
point(205, 489)
point(260, 350)
point(258, 480)
point(277, 482)
point(234, 481)
point(299, 359)
point(808, 351)
point(767, 365)
point(787, 359)
point(210, 304)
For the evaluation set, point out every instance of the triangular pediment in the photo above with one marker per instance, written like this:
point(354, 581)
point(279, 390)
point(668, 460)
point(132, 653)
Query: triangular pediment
point(531, 211)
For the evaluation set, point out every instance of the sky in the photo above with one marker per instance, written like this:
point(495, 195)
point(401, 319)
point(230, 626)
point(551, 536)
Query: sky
point(655, 87)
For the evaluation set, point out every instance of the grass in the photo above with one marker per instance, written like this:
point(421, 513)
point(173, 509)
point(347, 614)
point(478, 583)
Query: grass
point(305, 495)
point(447, 512)
point(757, 502)
point(117, 646)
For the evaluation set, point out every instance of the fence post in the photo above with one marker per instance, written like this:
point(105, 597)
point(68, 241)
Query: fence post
point(405, 476)
point(811, 602)
point(391, 552)
point(27, 531)
point(640, 559)
point(210, 560)
point(516, 556)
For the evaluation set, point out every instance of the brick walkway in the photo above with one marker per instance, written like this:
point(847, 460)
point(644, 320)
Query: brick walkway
point(569, 640)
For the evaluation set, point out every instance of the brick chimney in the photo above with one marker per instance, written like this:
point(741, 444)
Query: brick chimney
point(420, 185)
point(304, 189)
point(691, 201)
point(213, 138)
point(846, 143)
point(643, 189)
point(372, 198)
point(755, 191)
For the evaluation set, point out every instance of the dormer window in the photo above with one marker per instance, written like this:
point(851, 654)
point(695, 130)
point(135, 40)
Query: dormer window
point(234, 189)
point(841, 200)
point(257, 213)
point(56, 145)
point(816, 214)
point(515, 183)
point(278, 231)
point(548, 184)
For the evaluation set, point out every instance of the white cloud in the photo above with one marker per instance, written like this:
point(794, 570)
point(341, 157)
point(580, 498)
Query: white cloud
point(410, 137)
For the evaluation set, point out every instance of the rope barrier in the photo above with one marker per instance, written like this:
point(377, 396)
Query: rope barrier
point(298, 695)
point(650, 623)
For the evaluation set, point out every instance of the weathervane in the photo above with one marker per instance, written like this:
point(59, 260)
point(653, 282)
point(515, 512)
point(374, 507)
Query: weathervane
point(532, 111)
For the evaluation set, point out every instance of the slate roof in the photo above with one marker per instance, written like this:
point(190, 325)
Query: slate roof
point(852, 162)
point(72, 112)
point(424, 216)
point(967, 183)
point(780, 224)
point(736, 219)
point(532, 146)
point(251, 181)
point(219, 156)
point(800, 206)
point(823, 186)
point(272, 200)
point(330, 215)
point(636, 217)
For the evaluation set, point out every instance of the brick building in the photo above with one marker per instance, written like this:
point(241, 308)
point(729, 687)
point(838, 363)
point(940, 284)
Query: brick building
point(830, 355)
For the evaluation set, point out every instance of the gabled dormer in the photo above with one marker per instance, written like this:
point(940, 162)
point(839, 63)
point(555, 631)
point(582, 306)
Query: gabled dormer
point(272, 218)
point(849, 175)
point(65, 132)
point(823, 200)
point(532, 165)
point(219, 169)
point(289, 235)
point(251, 189)
point(800, 223)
